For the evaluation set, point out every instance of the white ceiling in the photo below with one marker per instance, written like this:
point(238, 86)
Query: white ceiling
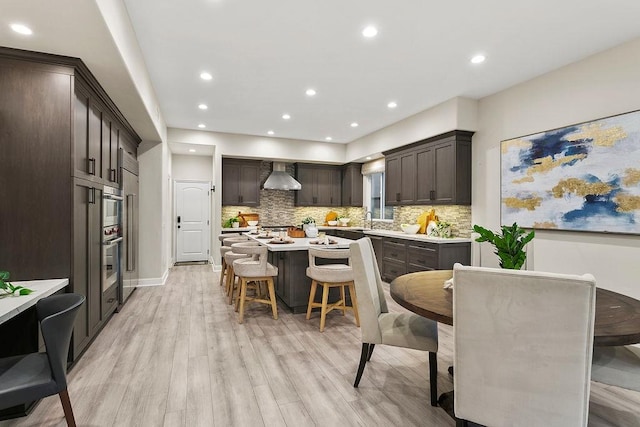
point(265, 54)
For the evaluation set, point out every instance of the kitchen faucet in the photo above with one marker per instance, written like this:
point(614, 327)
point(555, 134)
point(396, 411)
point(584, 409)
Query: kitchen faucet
point(364, 220)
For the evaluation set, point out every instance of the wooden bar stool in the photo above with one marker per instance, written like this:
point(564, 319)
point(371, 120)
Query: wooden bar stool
point(223, 250)
point(255, 269)
point(331, 276)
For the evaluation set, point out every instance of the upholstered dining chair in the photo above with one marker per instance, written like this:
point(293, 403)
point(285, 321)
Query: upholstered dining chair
point(223, 250)
point(33, 376)
point(378, 326)
point(618, 366)
point(522, 347)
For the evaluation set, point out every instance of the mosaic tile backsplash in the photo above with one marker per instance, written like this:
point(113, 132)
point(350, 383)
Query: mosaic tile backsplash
point(277, 208)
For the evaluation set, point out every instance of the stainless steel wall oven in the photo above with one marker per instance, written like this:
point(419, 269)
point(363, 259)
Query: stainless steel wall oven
point(111, 237)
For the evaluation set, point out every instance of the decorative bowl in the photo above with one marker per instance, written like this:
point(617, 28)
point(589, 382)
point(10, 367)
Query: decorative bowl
point(410, 228)
point(344, 221)
point(252, 223)
point(332, 222)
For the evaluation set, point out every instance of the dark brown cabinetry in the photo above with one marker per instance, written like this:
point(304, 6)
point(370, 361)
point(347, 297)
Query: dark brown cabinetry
point(402, 256)
point(352, 185)
point(52, 142)
point(321, 185)
point(434, 171)
point(240, 182)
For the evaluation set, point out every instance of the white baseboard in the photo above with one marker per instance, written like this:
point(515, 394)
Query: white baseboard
point(156, 281)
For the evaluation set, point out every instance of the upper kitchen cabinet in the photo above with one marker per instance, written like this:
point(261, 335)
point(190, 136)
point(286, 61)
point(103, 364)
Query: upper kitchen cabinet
point(436, 171)
point(241, 182)
point(97, 135)
point(321, 185)
point(352, 185)
point(57, 126)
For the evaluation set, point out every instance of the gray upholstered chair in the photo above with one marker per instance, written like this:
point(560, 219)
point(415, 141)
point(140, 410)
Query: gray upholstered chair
point(378, 326)
point(331, 276)
point(33, 376)
point(255, 269)
point(522, 347)
point(618, 366)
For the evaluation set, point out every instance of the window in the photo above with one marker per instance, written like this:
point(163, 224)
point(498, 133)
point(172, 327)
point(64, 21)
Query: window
point(376, 197)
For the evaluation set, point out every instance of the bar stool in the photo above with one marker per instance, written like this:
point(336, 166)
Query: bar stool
point(229, 257)
point(224, 250)
point(331, 276)
point(255, 269)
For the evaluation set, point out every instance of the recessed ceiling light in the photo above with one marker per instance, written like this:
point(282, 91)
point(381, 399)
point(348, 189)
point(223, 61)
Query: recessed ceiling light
point(478, 59)
point(202, 106)
point(329, 138)
point(368, 157)
point(201, 126)
point(310, 92)
point(270, 132)
point(205, 76)
point(21, 29)
point(354, 125)
point(286, 116)
point(192, 150)
point(370, 31)
point(392, 104)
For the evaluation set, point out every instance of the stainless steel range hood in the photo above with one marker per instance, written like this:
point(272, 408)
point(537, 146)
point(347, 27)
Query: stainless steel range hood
point(280, 179)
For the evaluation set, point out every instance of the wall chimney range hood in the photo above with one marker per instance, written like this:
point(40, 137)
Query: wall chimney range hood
point(280, 179)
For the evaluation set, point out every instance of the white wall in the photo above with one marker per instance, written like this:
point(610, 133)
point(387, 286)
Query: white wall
point(150, 158)
point(602, 85)
point(192, 168)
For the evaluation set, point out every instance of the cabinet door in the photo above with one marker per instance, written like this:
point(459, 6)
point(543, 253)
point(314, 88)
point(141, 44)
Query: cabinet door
point(230, 184)
point(248, 185)
point(444, 172)
point(82, 164)
point(114, 145)
point(87, 247)
point(106, 147)
point(352, 186)
point(95, 140)
point(323, 184)
point(335, 198)
point(392, 180)
point(425, 160)
point(305, 196)
point(407, 178)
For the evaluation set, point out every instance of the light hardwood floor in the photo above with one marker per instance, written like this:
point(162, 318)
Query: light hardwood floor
point(176, 356)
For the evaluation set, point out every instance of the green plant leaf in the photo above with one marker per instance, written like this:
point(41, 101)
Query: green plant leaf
point(25, 291)
point(4, 275)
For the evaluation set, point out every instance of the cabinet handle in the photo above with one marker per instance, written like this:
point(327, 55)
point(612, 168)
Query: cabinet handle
point(432, 194)
point(92, 166)
point(110, 300)
point(240, 198)
point(349, 199)
point(112, 175)
point(92, 196)
point(315, 200)
point(397, 197)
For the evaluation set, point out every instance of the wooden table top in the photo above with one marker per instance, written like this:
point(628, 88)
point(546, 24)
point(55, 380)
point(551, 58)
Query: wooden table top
point(617, 316)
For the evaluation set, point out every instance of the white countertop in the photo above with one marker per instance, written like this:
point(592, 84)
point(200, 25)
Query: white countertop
point(416, 237)
point(301, 244)
point(10, 306)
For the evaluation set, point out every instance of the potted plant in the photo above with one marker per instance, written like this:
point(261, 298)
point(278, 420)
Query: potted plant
point(509, 245)
point(8, 289)
point(233, 222)
point(344, 220)
point(443, 229)
point(307, 222)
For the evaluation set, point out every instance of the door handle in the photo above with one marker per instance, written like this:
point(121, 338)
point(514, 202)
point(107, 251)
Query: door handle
point(113, 242)
point(178, 219)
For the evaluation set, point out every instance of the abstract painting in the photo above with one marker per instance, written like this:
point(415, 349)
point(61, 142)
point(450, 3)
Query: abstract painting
point(584, 177)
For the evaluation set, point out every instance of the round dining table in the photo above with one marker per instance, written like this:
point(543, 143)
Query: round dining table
point(617, 319)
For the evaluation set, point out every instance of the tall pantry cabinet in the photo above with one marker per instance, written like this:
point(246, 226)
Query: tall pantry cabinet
point(59, 140)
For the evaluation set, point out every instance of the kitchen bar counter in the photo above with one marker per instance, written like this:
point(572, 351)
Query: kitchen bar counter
point(11, 306)
point(416, 237)
point(301, 243)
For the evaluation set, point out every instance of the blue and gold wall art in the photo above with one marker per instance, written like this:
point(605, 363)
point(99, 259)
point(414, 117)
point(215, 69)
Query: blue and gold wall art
point(584, 177)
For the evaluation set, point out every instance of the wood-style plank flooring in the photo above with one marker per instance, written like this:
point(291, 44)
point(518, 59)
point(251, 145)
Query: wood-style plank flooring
point(176, 356)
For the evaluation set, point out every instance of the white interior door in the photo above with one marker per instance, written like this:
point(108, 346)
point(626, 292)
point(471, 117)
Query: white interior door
point(192, 221)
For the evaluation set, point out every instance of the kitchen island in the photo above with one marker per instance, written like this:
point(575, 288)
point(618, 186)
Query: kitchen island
point(292, 259)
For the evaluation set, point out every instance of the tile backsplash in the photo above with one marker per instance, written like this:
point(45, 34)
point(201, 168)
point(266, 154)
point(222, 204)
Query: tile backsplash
point(277, 208)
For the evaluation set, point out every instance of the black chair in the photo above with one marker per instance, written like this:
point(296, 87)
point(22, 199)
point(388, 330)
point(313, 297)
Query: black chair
point(33, 376)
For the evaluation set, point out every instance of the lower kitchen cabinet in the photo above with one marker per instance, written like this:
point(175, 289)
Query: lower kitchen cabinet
point(409, 256)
